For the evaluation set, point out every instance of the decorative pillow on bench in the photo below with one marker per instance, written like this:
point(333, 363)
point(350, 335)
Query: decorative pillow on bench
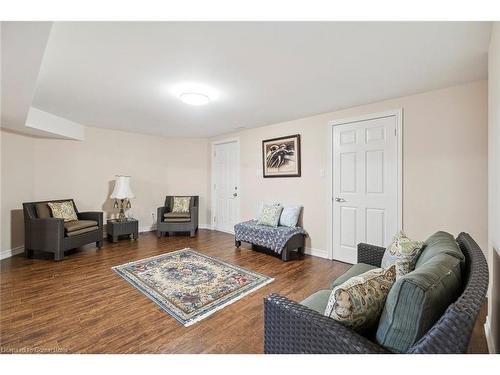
point(290, 216)
point(270, 215)
point(358, 302)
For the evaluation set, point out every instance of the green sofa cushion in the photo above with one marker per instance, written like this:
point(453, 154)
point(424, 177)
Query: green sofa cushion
point(355, 270)
point(417, 300)
point(318, 301)
point(439, 243)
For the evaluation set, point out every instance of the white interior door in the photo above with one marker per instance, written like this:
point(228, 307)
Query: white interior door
point(226, 175)
point(365, 185)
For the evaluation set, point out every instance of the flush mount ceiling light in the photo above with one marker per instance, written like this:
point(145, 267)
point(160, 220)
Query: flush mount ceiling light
point(193, 93)
point(194, 98)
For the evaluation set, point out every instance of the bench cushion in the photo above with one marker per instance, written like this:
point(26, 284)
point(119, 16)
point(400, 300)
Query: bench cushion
point(271, 238)
point(318, 300)
point(355, 270)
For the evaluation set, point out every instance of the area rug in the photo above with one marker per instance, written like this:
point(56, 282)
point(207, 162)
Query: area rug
point(189, 285)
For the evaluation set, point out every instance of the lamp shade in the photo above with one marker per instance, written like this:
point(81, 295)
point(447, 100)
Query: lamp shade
point(122, 188)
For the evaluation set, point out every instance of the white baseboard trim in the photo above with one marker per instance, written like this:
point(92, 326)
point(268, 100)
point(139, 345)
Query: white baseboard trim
point(320, 253)
point(222, 230)
point(147, 228)
point(489, 338)
point(152, 228)
point(11, 252)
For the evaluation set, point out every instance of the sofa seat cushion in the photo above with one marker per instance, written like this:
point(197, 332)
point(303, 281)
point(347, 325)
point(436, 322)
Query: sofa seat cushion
point(177, 215)
point(318, 300)
point(440, 243)
point(417, 300)
point(355, 270)
point(81, 231)
point(177, 220)
point(76, 225)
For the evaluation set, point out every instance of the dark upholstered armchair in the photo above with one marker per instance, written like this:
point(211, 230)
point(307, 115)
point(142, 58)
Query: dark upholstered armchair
point(42, 232)
point(291, 327)
point(168, 221)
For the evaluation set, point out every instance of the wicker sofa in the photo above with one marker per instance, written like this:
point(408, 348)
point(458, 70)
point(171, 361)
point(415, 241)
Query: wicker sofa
point(45, 233)
point(292, 327)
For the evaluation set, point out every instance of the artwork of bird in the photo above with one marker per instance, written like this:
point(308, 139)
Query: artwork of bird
point(278, 155)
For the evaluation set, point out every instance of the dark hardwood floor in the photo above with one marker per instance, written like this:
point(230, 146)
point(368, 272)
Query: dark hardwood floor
point(79, 305)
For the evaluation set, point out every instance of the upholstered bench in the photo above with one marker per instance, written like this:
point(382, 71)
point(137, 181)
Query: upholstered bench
point(282, 240)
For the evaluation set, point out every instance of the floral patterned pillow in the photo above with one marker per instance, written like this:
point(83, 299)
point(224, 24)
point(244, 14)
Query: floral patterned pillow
point(270, 215)
point(63, 210)
point(181, 204)
point(359, 302)
point(403, 252)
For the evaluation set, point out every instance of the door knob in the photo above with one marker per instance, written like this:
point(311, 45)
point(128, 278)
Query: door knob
point(339, 199)
point(235, 195)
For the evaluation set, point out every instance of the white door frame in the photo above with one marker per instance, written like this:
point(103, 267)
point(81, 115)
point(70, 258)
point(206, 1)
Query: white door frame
point(212, 179)
point(399, 129)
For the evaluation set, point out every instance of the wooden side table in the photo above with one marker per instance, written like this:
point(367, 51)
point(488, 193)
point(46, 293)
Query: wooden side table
point(116, 228)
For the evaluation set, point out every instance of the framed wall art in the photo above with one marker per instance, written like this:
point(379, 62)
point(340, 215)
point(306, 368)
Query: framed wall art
point(281, 156)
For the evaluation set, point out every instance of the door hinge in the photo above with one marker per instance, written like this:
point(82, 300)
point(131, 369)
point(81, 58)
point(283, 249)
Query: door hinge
point(395, 132)
point(214, 219)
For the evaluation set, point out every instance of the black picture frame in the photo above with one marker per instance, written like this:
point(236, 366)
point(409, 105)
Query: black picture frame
point(295, 139)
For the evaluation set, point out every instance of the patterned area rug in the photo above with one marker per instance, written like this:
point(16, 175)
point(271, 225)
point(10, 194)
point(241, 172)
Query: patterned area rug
point(189, 285)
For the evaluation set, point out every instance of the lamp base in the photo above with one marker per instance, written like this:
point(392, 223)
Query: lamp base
point(121, 215)
point(123, 203)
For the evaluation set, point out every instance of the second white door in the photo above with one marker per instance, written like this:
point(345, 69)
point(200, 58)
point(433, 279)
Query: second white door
point(226, 171)
point(365, 185)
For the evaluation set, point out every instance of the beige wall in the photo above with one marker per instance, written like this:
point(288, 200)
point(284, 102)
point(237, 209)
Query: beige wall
point(85, 170)
point(17, 186)
point(39, 169)
point(493, 324)
point(444, 162)
point(445, 173)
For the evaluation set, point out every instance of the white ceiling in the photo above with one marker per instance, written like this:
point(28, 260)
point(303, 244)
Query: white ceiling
point(120, 75)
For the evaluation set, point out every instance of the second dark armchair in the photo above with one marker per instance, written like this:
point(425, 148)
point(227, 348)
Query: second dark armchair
point(168, 221)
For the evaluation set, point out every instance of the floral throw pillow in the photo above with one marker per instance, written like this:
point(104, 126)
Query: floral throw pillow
point(181, 204)
point(63, 210)
point(402, 252)
point(270, 215)
point(359, 302)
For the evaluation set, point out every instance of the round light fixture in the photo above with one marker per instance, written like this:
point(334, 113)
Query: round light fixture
point(194, 98)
